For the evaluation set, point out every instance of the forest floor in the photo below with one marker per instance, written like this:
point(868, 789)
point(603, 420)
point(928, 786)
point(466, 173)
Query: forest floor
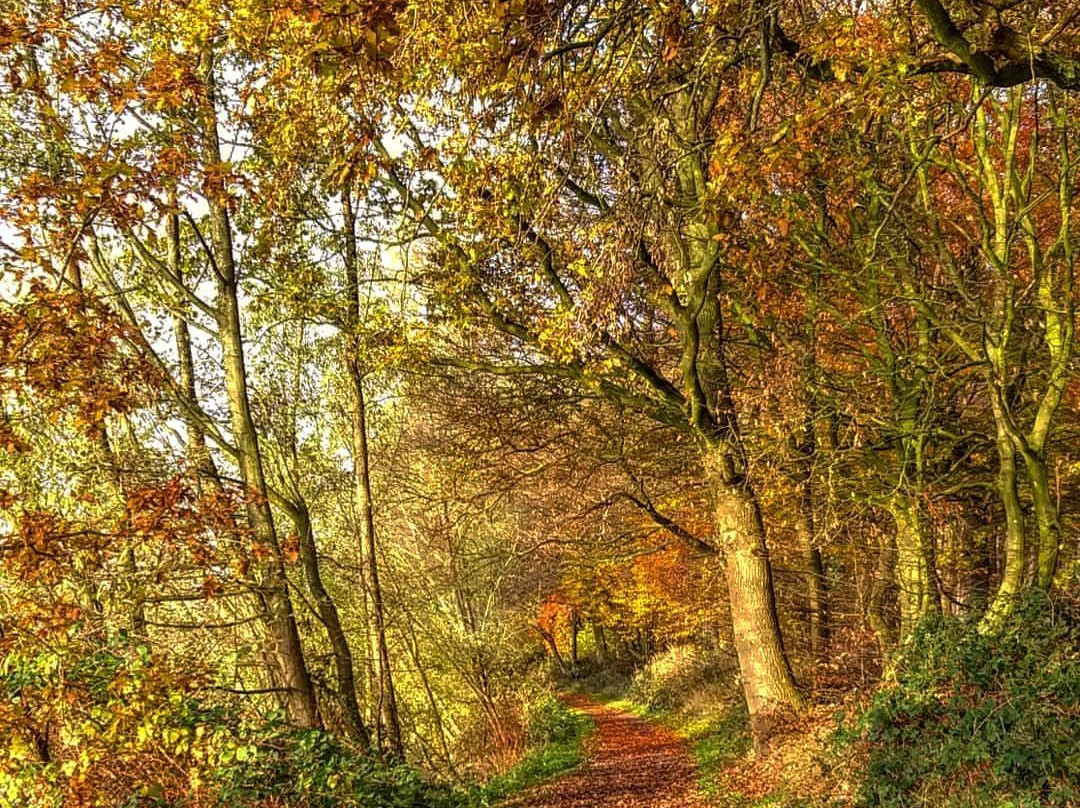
point(632, 763)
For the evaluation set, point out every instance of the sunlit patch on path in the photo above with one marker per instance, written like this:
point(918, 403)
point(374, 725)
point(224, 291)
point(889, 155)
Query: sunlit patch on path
point(631, 763)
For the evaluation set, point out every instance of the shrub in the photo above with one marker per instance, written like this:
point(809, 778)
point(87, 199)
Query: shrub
point(103, 724)
point(551, 721)
point(555, 737)
point(669, 677)
point(117, 727)
point(279, 765)
point(978, 720)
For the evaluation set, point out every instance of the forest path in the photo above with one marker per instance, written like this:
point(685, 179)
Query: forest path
point(632, 763)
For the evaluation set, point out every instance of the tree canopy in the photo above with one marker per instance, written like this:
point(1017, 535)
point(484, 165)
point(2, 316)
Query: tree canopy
point(369, 368)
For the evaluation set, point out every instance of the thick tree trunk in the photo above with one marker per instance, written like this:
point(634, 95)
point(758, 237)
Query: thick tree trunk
point(884, 580)
point(917, 593)
point(1047, 519)
point(768, 683)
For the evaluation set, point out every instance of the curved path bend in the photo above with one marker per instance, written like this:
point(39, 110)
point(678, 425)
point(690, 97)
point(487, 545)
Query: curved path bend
point(631, 763)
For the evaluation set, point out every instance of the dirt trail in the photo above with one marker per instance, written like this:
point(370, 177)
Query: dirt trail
point(631, 764)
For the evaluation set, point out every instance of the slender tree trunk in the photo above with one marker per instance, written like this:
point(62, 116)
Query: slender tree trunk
point(429, 693)
point(138, 605)
point(196, 437)
point(816, 586)
point(331, 620)
point(807, 449)
point(388, 711)
point(1011, 585)
point(1054, 274)
point(553, 646)
point(272, 589)
point(112, 469)
point(389, 724)
point(575, 627)
point(370, 695)
point(997, 334)
point(600, 643)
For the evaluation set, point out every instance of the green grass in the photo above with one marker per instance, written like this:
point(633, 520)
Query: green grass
point(717, 740)
point(542, 763)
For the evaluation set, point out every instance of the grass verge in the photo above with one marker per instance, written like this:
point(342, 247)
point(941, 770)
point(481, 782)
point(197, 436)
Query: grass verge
point(549, 759)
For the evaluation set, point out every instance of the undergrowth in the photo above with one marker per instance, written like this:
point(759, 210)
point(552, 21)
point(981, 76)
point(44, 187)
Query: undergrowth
point(311, 769)
point(978, 720)
point(556, 736)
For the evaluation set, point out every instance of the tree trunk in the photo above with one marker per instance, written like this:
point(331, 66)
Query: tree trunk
point(388, 725)
point(331, 620)
point(806, 447)
point(1015, 548)
point(768, 683)
point(112, 470)
point(549, 640)
point(914, 577)
point(198, 452)
point(389, 722)
point(884, 580)
point(575, 627)
point(600, 643)
point(272, 588)
point(816, 587)
point(433, 705)
point(1047, 519)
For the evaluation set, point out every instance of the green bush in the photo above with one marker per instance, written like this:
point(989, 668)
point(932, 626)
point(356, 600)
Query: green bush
point(555, 736)
point(313, 769)
point(551, 721)
point(976, 720)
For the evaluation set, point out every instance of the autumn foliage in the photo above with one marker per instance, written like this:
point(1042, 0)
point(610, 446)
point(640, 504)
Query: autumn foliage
point(371, 370)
